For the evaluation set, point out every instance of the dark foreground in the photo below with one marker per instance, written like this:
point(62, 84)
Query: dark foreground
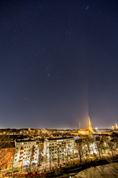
point(104, 171)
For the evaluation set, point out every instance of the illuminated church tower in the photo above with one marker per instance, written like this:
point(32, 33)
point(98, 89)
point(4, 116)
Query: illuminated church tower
point(88, 130)
point(90, 126)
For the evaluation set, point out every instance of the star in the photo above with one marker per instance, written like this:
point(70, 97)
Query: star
point(26, 99)
point(87, 7)
point(49, 75)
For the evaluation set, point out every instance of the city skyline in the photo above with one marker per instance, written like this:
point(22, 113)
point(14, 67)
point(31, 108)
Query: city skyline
point(58, 63)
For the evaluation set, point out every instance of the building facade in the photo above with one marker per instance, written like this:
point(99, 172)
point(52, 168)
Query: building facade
point(54, 151)
point(28, 153)
point(59, 149)
point(7, 151)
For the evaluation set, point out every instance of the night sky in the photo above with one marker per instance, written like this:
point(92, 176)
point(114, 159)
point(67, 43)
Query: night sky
point(58, 62)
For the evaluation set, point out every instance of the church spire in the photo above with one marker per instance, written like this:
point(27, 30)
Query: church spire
point(90, 126)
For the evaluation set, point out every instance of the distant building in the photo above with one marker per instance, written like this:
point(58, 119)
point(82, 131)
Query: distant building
point(115, 126)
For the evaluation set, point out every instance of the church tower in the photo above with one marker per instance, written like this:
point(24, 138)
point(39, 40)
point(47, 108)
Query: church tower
point(90, 126)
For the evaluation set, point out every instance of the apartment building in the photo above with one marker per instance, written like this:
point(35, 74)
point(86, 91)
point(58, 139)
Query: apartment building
point(59, 149)
point(28, 153)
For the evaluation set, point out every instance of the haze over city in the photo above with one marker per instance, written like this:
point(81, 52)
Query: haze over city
point(58, 62)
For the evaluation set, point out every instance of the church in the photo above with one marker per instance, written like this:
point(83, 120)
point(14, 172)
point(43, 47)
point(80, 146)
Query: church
point(87, 131)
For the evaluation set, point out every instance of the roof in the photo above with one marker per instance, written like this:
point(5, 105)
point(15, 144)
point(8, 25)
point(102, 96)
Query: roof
point(6, 144)
point(60, 138)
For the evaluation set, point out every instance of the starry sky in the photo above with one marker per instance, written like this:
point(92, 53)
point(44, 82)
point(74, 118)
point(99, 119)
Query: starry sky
point(58, 62)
